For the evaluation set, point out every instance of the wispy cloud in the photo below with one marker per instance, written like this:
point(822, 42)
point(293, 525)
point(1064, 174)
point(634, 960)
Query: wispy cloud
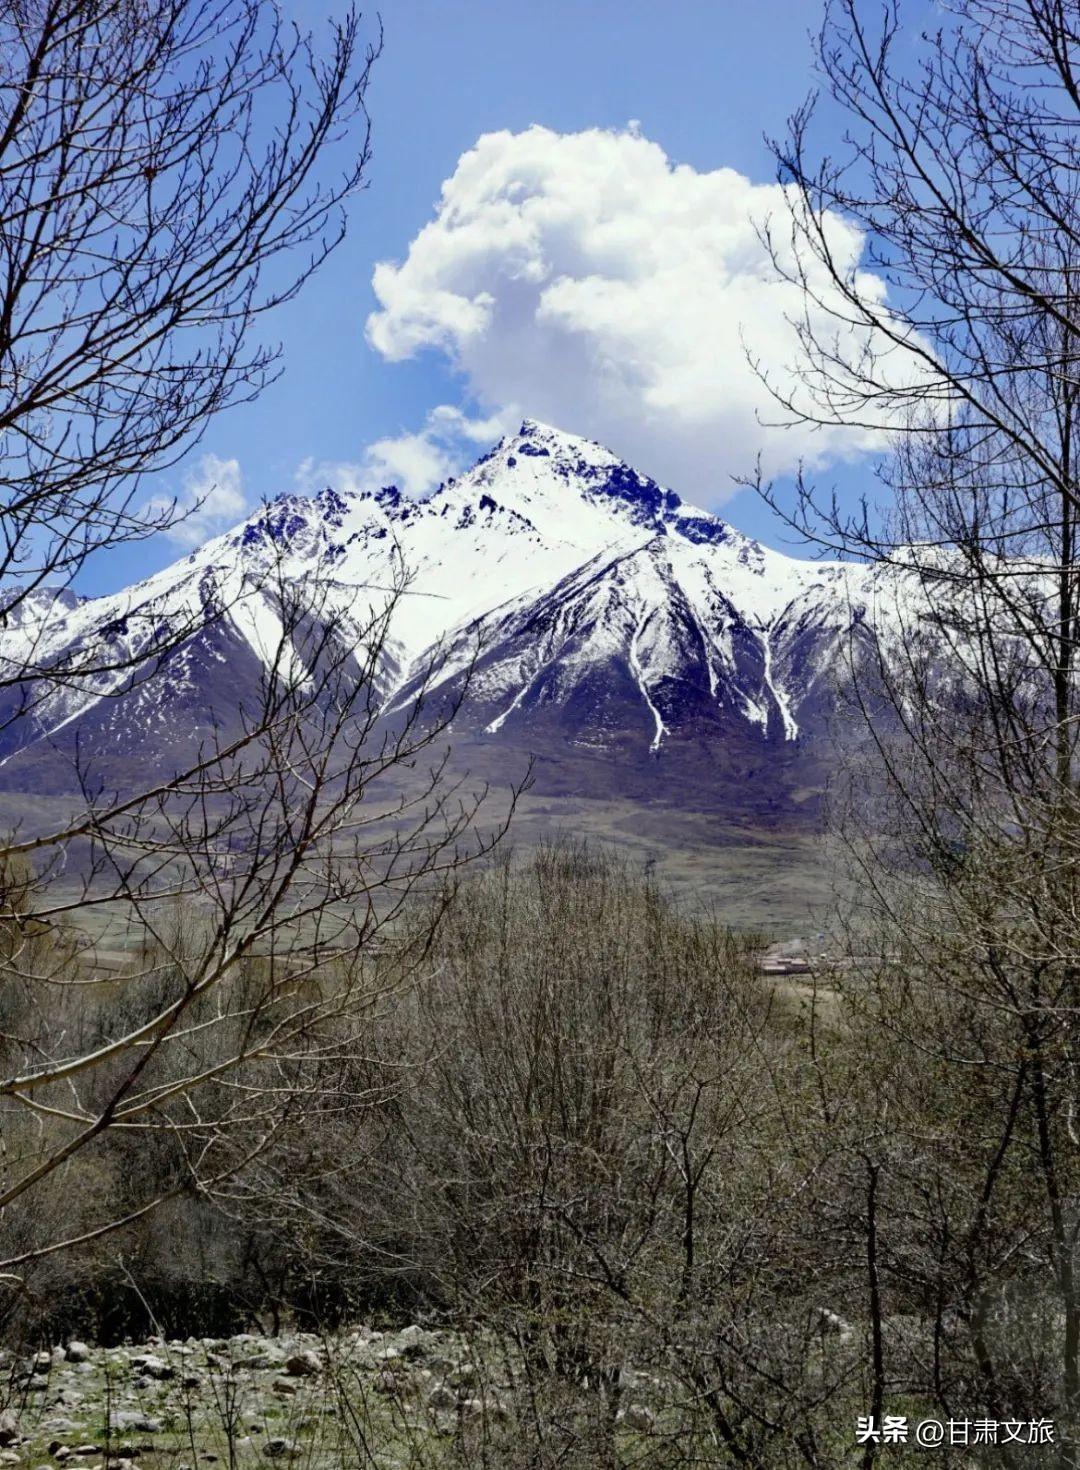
point(211, 500)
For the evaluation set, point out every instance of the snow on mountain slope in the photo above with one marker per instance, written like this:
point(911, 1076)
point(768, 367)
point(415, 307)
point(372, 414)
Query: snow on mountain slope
point(648, 624)
point(600, 603)
point(536, 508)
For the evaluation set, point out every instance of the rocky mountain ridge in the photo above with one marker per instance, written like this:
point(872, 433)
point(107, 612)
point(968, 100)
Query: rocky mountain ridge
point(594, 611)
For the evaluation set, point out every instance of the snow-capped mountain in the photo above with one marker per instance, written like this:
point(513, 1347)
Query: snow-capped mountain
point(596, 612)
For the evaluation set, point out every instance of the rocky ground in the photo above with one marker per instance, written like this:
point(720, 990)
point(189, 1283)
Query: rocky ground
point(409, 1397)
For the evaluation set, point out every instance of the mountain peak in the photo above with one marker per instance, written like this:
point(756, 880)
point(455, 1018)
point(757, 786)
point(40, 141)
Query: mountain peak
point(611, 615)
point(591, 470)
point(560, 439)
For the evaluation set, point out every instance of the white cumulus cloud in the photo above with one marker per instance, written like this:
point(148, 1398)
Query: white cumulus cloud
point(588, 281)
point(412, 462)
point(212, 500)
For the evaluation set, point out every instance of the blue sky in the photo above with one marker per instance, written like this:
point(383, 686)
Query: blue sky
point(701, 80)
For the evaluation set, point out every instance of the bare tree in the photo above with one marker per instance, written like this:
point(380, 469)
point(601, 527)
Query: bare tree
point(267, 886)
point(610, 1170)
point(962, 164)
point(170, 172)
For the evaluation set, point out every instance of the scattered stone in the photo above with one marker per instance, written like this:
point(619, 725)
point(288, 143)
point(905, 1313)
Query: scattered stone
point(259, 1360)
point(153, 1367)
point(277, 1449)
point(303, 1365)
point(134, 1419)
point(639, 1418)
point(831, 1324)
point(152, 1377)
point(411, 1341)
point(389, 1382)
